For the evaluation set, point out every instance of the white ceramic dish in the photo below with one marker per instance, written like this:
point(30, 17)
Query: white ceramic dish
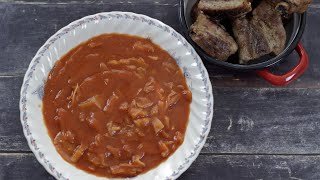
point(126, 23)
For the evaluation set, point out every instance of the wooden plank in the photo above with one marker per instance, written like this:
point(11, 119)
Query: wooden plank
point(21, 166)
point(25, 27)
point(218, 167)
point(246, 120)
point(172, 2)
point(265, 121)
point(156, 2)
point(10, 93)
point(222, 167)
point(11, 134)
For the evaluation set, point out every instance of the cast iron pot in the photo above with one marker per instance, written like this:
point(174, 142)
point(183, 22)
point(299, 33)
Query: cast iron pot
point(294, 29)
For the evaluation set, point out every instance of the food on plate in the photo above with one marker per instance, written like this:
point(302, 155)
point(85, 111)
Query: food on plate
point(291, 6)
point(116, 105)
point(213, 38)
point(230, 8)
point(256, 26)
point(263, 34)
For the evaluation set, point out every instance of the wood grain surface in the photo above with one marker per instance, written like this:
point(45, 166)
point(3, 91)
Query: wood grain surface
point(258, 131)
point(206, 167)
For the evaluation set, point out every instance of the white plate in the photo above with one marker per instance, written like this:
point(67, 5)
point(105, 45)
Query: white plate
point(127, 23)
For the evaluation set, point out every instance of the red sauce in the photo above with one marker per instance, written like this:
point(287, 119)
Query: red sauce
point(116, 105)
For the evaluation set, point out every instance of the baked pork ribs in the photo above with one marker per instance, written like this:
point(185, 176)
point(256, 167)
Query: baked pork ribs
point(271, 24)
point(230, 8)
point(213, 38)
point(261, 35)
point(291, 6)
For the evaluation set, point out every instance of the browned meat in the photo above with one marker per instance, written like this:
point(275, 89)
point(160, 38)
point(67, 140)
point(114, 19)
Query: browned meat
point(263, 34)
point(231, 8)
point(291, 6)
point(271, 24)
point(195, 11)
point(213, 38)
point(251, 41)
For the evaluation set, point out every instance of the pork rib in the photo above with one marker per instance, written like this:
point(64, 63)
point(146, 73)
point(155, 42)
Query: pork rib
point(251, 41)
point(231, 8)
point(291, 6)
point(261, 35)
point(213, 38)
point(271, 24)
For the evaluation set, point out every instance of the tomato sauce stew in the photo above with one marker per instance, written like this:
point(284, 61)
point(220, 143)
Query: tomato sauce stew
point(116, 105)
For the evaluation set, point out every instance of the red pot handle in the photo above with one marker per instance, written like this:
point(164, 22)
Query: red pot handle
point(292, 74)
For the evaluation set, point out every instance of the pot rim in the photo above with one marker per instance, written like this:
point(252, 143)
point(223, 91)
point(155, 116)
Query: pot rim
point(268, 63)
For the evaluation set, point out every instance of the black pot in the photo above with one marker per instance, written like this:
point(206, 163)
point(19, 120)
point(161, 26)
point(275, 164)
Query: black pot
point(294, 29)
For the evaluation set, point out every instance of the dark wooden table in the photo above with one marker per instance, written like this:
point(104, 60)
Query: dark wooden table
point(258, 131)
